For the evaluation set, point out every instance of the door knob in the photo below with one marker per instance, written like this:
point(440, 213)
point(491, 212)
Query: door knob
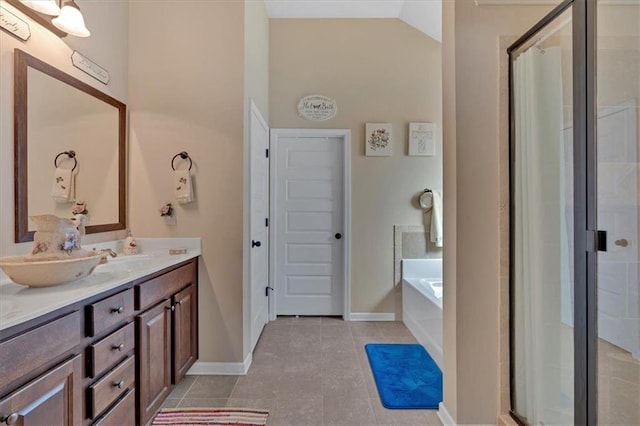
point(255, 243)
point(338, 236)
point(622, 242)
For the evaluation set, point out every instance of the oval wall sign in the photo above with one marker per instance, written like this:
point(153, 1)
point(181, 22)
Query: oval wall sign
point(317, 108)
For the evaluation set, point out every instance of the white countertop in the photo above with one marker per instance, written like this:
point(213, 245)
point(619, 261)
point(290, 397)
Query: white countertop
point(19, 303)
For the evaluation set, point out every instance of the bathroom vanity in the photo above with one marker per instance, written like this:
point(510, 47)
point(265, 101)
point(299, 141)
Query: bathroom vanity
point(105, 350)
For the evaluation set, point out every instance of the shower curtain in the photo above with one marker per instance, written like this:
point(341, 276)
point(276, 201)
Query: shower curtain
point(543, 196)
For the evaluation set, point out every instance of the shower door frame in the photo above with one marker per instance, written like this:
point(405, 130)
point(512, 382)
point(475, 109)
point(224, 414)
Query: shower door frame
point(587, 239)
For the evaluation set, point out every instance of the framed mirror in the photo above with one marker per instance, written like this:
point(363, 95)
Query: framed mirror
point(55, 114)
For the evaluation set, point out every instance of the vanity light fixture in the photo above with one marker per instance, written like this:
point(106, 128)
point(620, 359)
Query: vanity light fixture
point(71, 20)
point(48, 7)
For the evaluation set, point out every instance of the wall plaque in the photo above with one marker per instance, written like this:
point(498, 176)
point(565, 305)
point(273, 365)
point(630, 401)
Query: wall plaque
point(14, 25)
point(317, 108)
point(88, 66)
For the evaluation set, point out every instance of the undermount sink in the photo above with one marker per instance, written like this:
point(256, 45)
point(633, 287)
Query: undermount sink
point(47, 273)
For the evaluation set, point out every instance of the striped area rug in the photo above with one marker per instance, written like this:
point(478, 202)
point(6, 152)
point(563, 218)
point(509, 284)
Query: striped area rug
point(210, 416)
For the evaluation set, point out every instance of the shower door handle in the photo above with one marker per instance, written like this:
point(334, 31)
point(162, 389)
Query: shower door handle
point(621, 242)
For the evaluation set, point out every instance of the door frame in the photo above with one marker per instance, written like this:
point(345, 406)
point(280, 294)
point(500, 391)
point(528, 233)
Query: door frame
point(345, 135)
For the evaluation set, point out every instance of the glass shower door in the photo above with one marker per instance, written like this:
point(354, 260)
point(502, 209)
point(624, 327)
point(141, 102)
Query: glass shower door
point(542, 226)
point(618, 185)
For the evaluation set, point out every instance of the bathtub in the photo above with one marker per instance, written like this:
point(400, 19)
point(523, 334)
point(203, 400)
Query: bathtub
point(422, 303)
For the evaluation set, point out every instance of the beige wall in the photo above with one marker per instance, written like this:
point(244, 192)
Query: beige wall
point(378, 71)
point(473, 390)
point(186, 93)
point(107, 46)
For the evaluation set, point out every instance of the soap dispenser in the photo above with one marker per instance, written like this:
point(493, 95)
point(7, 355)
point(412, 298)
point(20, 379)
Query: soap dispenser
point(130, 245)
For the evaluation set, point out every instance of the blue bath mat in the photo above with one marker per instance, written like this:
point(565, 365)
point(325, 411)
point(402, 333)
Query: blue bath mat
point(405, 375)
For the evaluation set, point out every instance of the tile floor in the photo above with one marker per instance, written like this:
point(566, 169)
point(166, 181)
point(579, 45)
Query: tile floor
point(308, 371)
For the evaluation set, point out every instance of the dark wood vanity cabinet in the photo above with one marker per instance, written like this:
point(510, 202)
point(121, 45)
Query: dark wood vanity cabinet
point(54, 398)
point(154, 358)
point(167, 336)
point(185, 332)
point(109, 360)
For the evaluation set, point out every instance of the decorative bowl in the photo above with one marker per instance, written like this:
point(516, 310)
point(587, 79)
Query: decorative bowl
point(47, 273)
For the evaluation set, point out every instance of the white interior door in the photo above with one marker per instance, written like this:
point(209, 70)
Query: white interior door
point(618, 313)
point(308, 188)
point(259, 231)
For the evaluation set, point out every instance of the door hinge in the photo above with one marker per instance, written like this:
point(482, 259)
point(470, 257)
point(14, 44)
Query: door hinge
point(266, 152)
point(266, 290)
point(266, 222)
point(596, 241)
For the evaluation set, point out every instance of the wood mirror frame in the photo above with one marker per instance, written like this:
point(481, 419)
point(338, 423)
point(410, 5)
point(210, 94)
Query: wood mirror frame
point(22, 61)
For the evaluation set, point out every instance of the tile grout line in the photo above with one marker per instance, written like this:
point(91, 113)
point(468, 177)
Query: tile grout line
point(187, 391)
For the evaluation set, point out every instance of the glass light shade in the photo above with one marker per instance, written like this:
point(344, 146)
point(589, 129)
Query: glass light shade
point(71, 20)
point(48, 7)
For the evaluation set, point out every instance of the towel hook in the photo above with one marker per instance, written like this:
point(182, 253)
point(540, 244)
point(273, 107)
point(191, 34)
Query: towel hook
point(71, 154)
point(427, 190)
point(184, 156)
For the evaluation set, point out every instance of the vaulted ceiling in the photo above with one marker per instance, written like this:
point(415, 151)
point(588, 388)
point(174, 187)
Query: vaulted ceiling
point(424, 15)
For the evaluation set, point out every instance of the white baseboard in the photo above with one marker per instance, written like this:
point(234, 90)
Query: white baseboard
point(369, 316)
point(444, 416)
point(221, 368)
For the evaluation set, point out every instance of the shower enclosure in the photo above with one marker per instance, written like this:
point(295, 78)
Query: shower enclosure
point(574, 185)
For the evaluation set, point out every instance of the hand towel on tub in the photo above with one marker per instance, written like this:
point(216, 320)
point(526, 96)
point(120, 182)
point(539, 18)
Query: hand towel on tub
point(436, 219)
point(183, 186)
point(64, 186)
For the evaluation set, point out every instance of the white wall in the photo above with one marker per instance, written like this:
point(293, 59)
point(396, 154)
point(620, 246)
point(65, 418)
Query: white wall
point(108, 22)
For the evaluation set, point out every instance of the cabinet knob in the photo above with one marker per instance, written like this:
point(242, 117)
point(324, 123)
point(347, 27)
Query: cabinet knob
point(10, 419)
point(119, 384)
point(255, 243)
point(118, 347)
point(171, 308)
point(118, 310)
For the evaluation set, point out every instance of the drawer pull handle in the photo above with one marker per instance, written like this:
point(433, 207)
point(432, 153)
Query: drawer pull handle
point(10, 419)
point(118, 310)
point(117, 347)
point(119, 385)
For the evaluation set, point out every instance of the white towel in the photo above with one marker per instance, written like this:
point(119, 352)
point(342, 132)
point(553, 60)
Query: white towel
point(436, 219)
point(64, 186)
point(183, 186)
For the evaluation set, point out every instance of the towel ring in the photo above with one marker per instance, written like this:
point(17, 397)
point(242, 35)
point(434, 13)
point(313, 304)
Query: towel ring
point(184, 156)
point(71, 154)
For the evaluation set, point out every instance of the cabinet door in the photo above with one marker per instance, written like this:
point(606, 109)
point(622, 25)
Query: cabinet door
point(52, 399)
point(153, 328)
point(185, 328)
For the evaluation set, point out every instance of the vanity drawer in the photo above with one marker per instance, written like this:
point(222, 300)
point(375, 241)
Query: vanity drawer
point(108, 351)
point(22, 354)
point(123, 413)
point(109, 312)
point(106, 390)
point(151, 292)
